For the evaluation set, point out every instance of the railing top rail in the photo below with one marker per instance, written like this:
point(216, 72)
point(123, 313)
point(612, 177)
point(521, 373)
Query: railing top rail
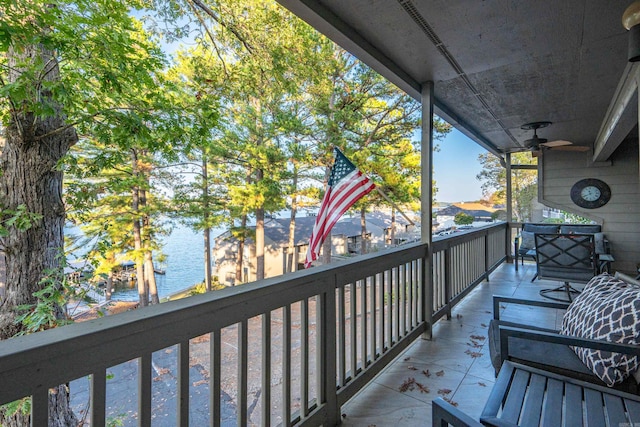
point(465, 236)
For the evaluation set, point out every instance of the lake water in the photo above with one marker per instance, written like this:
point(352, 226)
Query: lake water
point(184, 264)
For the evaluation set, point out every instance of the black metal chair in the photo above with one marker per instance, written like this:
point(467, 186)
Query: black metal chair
point(569, 258)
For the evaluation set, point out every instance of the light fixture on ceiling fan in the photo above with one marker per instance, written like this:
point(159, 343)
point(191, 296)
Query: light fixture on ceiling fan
point(537, 144)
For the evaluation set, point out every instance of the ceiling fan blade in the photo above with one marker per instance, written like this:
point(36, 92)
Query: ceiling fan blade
point(571, 148)
point(557, 143)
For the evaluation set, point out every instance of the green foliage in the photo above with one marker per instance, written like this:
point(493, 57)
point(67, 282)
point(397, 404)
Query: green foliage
point(463, 218)
point(55, 292)
point(22, 406)
point(201, 288)
point(19, 219)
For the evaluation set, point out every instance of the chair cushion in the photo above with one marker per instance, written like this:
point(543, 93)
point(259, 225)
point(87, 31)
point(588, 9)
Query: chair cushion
point(541, 229)
point(528, 240)
point(580, 229)
point(607, 309)
point(598, 240)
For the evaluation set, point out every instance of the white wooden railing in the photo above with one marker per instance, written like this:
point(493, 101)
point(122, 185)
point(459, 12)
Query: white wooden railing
point(287, 350)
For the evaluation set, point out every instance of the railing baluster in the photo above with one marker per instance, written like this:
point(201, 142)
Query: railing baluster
point(304, 354)
point(214, 379)
point(396, 297)
point(286, 365)
point(389, 311)
point(98, 397)
point(342, 356)
point(412, 297)
point(266, 369)
point(353, 323)
point(243, 368)
point(40, 407)
point(144, 390)
point(402, 302)
point(372, 342)
point(381, 289)
point(183, 383)
point(363, 323)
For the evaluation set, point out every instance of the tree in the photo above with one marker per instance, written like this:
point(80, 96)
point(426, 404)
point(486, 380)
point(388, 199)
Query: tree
point(463, 218)
point(524, 183)
point(60, 67)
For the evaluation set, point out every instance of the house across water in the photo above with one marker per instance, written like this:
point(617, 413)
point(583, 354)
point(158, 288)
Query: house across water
point(346, 239)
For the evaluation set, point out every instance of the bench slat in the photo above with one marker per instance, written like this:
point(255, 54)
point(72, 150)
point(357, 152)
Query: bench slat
point(515, 397)
point(633, 409)
point(553, 403)
point(533, 401)
point(573, 405)
point(594, 407)
point(615, 410)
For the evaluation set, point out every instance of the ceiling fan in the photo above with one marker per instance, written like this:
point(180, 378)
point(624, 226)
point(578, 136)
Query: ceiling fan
point(537, 144)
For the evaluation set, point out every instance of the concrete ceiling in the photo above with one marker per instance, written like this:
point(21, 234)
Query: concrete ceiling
point(495, 64)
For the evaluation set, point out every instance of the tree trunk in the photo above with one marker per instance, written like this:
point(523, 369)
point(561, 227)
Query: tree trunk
point(108, 287)
point(363, 233)
point(259, 235)
point(147, 235)
point(30, 179)
point(240, 256)
point(207, 228)
point(393, 226)
point(137, 235)
point(292, 225)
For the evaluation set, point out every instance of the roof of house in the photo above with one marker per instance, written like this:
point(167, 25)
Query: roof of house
point(276, 230)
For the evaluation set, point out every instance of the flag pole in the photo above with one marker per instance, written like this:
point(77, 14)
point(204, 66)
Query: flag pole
point(394, 205)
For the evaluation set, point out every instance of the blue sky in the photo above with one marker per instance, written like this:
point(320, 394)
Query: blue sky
point(455, 168)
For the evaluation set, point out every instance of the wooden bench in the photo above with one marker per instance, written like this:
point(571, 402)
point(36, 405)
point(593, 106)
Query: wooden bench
point(527, 396)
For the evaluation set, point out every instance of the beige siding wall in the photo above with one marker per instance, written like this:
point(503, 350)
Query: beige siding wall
point(620, 218)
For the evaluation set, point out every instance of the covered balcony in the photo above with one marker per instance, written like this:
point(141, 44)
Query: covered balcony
point(340, 343)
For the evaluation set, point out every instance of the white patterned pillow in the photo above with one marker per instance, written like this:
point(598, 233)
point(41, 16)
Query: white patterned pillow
point(607, 309)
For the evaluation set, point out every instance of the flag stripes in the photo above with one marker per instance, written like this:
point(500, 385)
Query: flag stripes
point(346, 186)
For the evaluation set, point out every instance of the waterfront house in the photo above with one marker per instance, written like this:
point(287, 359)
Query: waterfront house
point(346, 240)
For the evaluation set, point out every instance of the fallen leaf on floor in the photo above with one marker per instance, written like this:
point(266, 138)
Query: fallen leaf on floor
point(487, 311)
point(482, 384)
point(440, 373)
point(484, 325)
point(413, 368)
point(503, 306)
point(444, 391)
point(426, 373)
point(474, 344)
point(473, 354)
point(459, 316)
point(478, 337)
point(201, 382)
point(422, 388)
point(406, 358)
point(408, 384)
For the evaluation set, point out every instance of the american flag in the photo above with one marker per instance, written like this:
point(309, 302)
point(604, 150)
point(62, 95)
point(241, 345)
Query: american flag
point(345, 187)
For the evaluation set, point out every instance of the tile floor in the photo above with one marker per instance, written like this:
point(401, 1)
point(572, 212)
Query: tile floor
point(455, 364)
